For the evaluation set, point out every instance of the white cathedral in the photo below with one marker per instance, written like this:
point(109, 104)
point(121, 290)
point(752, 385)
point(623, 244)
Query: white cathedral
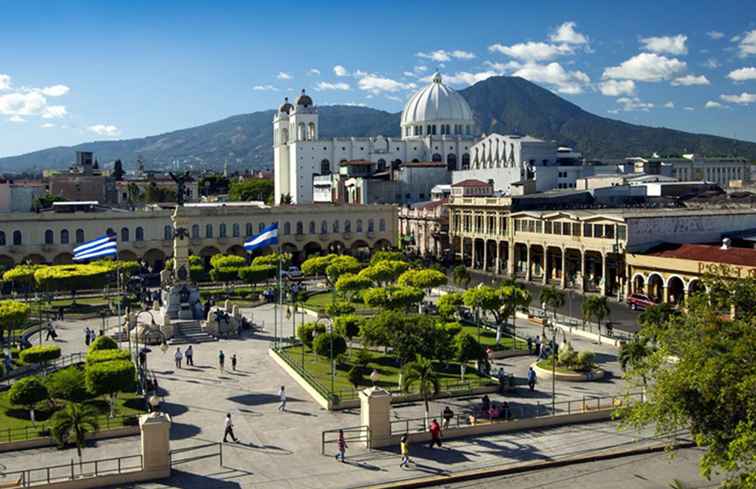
point(437, 125)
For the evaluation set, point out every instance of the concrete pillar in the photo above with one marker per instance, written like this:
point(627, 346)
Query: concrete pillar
point(665, 299)
point(156, 444)
point(375, 413)
point(511, 259)
point(485, 255)
point(528, 268)
point(498, 257)
point(472, 262)
point(584, 270)
point(604, 274)
point(544, 265)
point(563, 281)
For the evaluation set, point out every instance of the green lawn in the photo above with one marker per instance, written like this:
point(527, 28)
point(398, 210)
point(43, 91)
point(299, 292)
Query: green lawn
point(319, 302)
point(488, 338)
point(16, 418)
point(387, 367)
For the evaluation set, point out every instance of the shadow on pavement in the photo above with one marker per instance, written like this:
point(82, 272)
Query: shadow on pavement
point(180, 478)
point(258, 399)
point(180, 431)
point(173, 409)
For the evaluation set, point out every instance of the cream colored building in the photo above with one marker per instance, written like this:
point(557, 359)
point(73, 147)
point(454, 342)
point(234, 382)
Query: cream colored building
point(50, 237)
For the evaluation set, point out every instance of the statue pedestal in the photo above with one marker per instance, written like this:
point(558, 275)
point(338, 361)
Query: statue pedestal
point(181, 301)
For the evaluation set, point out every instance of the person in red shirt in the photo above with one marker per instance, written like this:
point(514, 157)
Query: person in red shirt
point(435, 431)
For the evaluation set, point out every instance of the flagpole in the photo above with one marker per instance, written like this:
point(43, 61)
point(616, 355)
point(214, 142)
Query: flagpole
point(280, 299)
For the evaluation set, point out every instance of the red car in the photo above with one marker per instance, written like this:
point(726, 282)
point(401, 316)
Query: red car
point(640, 302)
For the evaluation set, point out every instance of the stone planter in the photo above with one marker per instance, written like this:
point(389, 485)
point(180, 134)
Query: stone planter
point(595, 374)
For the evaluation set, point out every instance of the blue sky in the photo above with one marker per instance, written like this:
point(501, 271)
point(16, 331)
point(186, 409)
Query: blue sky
point(79, 71)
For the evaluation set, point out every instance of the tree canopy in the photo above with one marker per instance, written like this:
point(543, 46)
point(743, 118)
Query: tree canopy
point(425, 278)
point(251, 189)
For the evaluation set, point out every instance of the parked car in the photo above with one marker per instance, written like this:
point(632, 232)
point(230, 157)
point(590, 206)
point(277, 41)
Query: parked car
point(292, 273)
point(640, 302)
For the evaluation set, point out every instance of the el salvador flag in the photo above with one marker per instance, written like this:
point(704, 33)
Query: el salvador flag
point(97, 248)
point(267, 237)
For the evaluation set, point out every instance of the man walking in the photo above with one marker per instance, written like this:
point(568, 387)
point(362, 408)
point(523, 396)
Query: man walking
point(538, 346)
point(435, 431)
point(87, 336)
point(233, 362)
point(531, 378)
point(229, 430)
point(189, 354)
point(50, 331)
point(282, 397)
point(221, 360)
point(404, 449)
point(178, 356)
point(530, 345)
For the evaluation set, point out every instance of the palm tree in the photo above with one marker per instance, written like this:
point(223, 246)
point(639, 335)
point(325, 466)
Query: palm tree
point(595, 307)
point(634, 353)
point(516, 296)
point(72, 423)
point(461, 276)
point(552, 298)
point(421, 372)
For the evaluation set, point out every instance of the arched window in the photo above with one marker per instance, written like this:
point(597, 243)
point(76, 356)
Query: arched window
point(437, 157)
point(248, 229)
point(466, 161)
point(335, 226)
point(235, 230)
point(167, 232)
point(80, 235)
point(381, 164)
point(260, 227)
point(208, 230)
point(17, 241)
point(311, 131)
point(371, 226)
point(359, 225)
point(2, 238)
point(287, 228)
point(382, 225)
point(195, 231)
point(451, 162)
point(325, 167)
point(64, 236)
point(139, 234)
point(312, 227)
point(124, 234)
point(222, 230)
point(323, 227)
point(347, 226)
point(49, 237)
point(300, 228)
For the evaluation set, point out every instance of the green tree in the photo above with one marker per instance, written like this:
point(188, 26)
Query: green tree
point(13, 315)
point(422, 278)
point(420, 373)
point(22, 277)
point(348, 325)
point(109, 378)
point(449, 304)
point(39, 354)
point(107, 355)
point(340, 266)
point(355, 376)
point(467, 350)
point(67, 384)
point(72, 277)
point(317, 265)
point(27, 392)
point(657, 314)
point(306, 332)
point(515, 297)
point(378, 330)
point(551, 298)
point(398, 298)
point(461, 276)
point(273, 259)
point(323, 343)
point(258, 189)
point(254, 274)
point(386, 255)
point(488, 300)
point(633, 355)
point(385, 271)
point(339, 308)
point(707, 390)
point(45, 201)
point(350, 284)
point(71, 425)
point(595, 307)
point(103, 343)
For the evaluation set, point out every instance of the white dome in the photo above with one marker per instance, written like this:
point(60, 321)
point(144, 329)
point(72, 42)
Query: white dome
point(437, 104)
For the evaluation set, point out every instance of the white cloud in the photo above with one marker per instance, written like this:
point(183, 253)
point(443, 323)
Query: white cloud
point(669, 105)
point(4, 82)
point(106, 130)
point(666, 44)
point(465, 78)
point(339, 70)
point(613, 111)
point(420, 69)
point(47, 125)
point(532, 51)
point(743, 74)
point(566, 33)
point(356, 104)
point(55, 90)
point(54, 112)
point(647, 67)
point(313, 72)
point(713, 105)
point(747, 44)
point(630, 104)
point(333, 86)
point(504, 67)
point(711, 63)
point(715, 35)
point(615, 88)
point(359, 73)
point(689, 108)
point(689, 80)
point(376, 84)
point(283, 76)
point(442, 55)
point(409, 74)
point(744, 98)
point(264, 88)
point(17, 119)
point(394, 98)
point(568, 82)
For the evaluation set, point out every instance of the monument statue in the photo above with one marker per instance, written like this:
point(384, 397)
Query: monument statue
point(180, 297)
point(180, 180)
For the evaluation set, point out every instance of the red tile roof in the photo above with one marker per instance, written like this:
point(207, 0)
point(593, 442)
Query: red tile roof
point(471, 183)
point(710, 253)
point(357, 163)
point(424, 164)
point(433, 204)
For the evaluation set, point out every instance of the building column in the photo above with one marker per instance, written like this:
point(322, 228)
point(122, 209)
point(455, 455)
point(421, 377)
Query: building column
point(528, 269)
point(498, 257)
point(485, 255)
point(665, 299)
point(472, 261)
point(583, 270)
point(544, 266)
point(604, 274)
point(563, 280)
point(511, 259)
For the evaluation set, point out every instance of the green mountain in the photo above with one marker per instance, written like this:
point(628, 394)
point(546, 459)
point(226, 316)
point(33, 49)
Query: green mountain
point(501, 104)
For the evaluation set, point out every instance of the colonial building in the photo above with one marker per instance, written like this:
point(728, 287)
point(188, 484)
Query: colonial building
point(723, 170)
point(437, 125)
point(424, 228)
point(49, 237)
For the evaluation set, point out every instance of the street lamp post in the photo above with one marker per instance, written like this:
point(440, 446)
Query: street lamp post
point(553, 368)
point(102, 326)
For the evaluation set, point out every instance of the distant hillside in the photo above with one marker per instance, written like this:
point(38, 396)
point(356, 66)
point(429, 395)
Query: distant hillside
point(501, 104)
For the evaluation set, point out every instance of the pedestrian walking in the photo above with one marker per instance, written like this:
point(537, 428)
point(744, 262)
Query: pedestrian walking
point(233, 362)
point(87, 336)
point(448, 415)
point(282, 397)
point(538, 346)
point(142, 358)
point(60, 312)
point(531, 378)
point(189, 354)
point(179, 356)
point(435, 431)
point(404, 449)
point(229, 430)
point(221, 360)
point(341, 445)
point(530, 345)
point(51, 331)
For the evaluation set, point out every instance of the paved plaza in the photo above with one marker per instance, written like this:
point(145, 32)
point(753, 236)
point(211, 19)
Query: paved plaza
point(284, 449)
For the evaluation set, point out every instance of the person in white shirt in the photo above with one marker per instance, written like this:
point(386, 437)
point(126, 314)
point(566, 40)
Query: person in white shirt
point(229, 430)
point(179, 356)
point(282, 396)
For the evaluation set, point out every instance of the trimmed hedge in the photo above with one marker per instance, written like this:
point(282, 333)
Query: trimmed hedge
point(109, 377)
point(72, 277)
point(28, 391)
point(102, 343)
point(40, 354)
point(99, 356)
point(67, 384)
point(13, 314)
point(322, 344)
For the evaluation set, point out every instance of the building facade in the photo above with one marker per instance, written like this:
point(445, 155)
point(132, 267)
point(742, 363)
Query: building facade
point(50, 237)
point(424, 228)
point(723, 171)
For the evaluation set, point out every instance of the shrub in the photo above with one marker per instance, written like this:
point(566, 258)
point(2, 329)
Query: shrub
point(453, 329)
point(27, 392)
point(339, 308)
point(273, 259)
point(103, 343)
point(306, 333)
point(40, 354)
point(322, 344)
point(67, 384)
point(585, 360)
point(109, 377)
point(348, 326)
point(13, 314)
point(98, 356)
point(362, 358)
point(71, 277)
point(255, 274)
point(567, 356)
point(227, 261)
point(355, 376)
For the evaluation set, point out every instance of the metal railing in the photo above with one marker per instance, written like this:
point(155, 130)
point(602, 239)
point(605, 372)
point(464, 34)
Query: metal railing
point(43, 430)
point(591, 327)
point(189, 454)
point(354, 436)
point(73, 471)
point(42, 368)
point(519, 412)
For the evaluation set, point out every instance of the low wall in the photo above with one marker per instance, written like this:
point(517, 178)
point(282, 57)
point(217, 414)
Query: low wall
point(49, 442)
point(139, 475)
point(488, 428)
point(595, 374)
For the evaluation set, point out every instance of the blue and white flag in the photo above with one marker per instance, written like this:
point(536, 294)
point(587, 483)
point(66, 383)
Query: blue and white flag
point(267, 237)
point(97, 248)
